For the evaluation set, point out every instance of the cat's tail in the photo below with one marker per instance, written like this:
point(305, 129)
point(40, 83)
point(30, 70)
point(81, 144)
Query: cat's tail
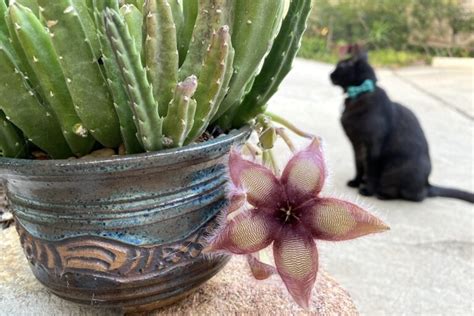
point(434, 191)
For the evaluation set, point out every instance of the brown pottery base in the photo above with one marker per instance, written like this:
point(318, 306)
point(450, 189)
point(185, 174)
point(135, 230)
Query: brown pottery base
point(232, 291)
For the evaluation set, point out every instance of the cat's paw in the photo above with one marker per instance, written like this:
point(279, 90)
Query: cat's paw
point(355, 183)
point(365, 191)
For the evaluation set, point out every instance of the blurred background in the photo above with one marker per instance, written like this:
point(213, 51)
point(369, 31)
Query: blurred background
point(398, 32)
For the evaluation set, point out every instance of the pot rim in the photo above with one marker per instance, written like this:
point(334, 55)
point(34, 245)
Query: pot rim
point(164, 156)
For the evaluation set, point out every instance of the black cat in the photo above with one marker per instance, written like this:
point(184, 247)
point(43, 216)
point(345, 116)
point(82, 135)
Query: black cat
point(391, 151)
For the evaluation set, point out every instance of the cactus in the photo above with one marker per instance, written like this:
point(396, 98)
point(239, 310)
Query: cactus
point(43, 59)
point(21, 107)
point(255, 26)
point(115, 82)
point(278, 63)
point(209, 19)
point(213, 71)
point(140, 94)
point(148, 74)
point(85, 82)
point(190, 11)
point(161, 50)
point(181, 112)
point(134, 19)
point(3, 26)
point(12, 142)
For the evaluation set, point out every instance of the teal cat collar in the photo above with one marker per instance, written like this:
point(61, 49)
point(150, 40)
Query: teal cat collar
point(367, 86)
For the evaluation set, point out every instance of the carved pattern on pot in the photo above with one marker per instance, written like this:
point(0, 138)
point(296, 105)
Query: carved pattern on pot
point(110, 258)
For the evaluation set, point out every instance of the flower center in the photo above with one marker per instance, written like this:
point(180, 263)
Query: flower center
point(288, 215)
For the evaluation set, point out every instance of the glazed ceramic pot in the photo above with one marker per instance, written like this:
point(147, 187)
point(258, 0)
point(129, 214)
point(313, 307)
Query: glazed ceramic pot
point(121, 232)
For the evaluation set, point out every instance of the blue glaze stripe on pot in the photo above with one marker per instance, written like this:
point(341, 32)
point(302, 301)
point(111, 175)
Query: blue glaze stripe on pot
point(143, 199)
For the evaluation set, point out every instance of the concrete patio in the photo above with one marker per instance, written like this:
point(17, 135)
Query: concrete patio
point(425, 264)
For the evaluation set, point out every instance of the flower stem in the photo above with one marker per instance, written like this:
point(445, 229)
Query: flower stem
point(280, 120)
point(284, 135)
point(269, 160)
point(253, 150)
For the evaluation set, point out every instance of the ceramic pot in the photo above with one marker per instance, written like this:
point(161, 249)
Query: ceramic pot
point(121, 232)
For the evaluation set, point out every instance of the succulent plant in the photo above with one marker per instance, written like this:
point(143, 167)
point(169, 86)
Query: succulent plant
point(78, 75)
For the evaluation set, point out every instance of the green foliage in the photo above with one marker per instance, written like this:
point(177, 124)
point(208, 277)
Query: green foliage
point(148, 74)
point(315, 48)
point(401, 30)
point(394, 58)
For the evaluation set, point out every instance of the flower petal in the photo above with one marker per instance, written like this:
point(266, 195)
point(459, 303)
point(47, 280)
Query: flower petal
point(260, 270)
point(334, 220)
point(237, 199)
point(248, 232)
point(304, 175)
point(262, 187)
point(296, 259)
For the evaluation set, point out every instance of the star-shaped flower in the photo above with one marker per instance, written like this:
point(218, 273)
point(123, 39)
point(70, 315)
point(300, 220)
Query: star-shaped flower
point(288, 212)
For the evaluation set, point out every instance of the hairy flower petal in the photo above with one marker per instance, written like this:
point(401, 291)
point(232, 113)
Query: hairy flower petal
point(304, 175)
point(237, 199)
point(334, 220)
point(262, 187)
point(260, 270)
point(248, 232)
point(296, 259)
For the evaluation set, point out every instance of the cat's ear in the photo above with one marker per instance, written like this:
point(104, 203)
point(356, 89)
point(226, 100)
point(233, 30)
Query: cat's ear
point(364, 55)
point(358, 52)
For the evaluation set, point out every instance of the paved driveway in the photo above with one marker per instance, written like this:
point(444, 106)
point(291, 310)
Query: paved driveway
point(425, 264)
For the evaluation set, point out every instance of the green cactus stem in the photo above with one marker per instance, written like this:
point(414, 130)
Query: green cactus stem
point(134, 20)
point(116, 83)
point(18, 54)
point(4, 36)
point(30, 4)
point(178, 17)
point(209, 19)
point(137, 3)
point(255, 27)
point(90, 8)
point(5, 41)
point(12, 143)
point(211, 79)
point(229, 72)
point(87, 86)
point(190, 11)
point(23, 109)
point(180, 112)
point(87, 23)
point(277, 64)
point(161, 52)
point(44, 61)
point(139, 91)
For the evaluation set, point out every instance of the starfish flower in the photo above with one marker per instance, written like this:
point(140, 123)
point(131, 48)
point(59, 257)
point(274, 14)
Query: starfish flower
point(288, 212)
